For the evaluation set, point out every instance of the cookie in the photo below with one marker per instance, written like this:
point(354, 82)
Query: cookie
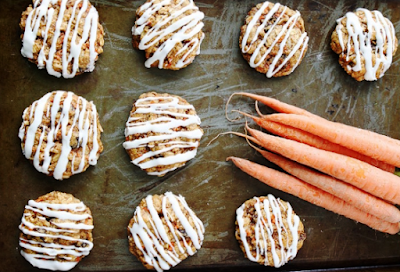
point(164, 231)
point(268, 231)
point(273, 39)
point(169, 32)
point(56, 231)
point(162, 133)
point(46, 26)
point(365, 42)
point(60, 134)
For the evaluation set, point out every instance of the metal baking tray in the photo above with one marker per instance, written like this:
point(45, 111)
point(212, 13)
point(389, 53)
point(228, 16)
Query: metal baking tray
point(212, 187)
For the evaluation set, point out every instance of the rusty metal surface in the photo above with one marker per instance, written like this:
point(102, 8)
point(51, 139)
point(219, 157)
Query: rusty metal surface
point(212, 187)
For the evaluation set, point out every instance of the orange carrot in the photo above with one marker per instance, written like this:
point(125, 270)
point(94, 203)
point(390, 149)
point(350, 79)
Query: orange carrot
point(276, 104)
point(374, 146)
point(350, 194)
point(287, 108)
point(296, 187)
point(305, 137)
point(358, 173)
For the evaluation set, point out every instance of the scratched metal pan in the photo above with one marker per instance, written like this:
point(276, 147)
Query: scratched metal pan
point(212, 187)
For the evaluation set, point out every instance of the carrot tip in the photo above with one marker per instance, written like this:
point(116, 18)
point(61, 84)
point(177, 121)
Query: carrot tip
point(232, 158)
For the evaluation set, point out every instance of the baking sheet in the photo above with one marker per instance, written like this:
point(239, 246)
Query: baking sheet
point(212, 187)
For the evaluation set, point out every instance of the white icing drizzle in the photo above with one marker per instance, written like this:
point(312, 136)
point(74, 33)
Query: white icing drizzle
point(360, 40)
point(286, 29)
point(150, 242)
point(165, 123)
point(183, 29)
point(43, 13)
point(264, 229)
point(41, 109)
point(46, 253)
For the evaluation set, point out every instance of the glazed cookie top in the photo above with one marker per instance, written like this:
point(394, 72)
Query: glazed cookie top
point(164, 231)
point(169, 31)
point(268, 230)
point(366, 43)
point(56, 231)
point(45, 27)
point(162, 133)
point(60, 133)
point(273, 39)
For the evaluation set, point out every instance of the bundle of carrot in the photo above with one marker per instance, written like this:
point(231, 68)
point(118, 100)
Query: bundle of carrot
point(344, 169)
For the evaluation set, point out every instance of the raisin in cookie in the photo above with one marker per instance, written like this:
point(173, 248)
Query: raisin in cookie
point(273, 39)
point(60, 134)
point(164, 231)
point(365, 42)
point(56, 231)
point(162, 133)
point(65, 37)
point(169, 31)
point(268, 231)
